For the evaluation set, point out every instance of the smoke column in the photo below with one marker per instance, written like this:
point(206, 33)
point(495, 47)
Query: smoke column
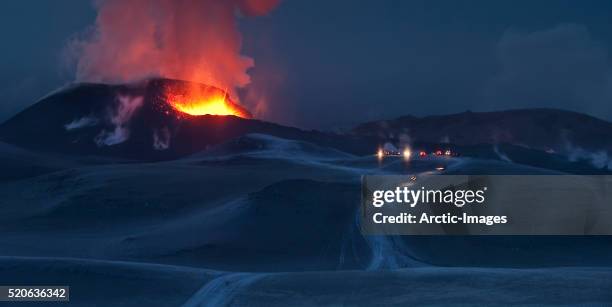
point(195, 40)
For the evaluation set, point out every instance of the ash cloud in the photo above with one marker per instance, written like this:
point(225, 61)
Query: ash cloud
point(194, 40)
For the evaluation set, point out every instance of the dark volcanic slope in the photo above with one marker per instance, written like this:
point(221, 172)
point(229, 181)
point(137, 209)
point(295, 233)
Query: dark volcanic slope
point(75, 120)
point(135, 122)
point(536, 128)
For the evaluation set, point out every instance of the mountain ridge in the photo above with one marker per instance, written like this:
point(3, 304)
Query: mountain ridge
point(538, 128)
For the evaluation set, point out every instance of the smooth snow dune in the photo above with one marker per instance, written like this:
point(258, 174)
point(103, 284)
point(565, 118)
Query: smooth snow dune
point(279, 151)
point(221, 290)
point(471, 166)
point(103, 196)
point(106, 283)
point(115, 283)
point(284, 208)
point(189, 212)
point(248, 213)
point(17, 163)
point(430, 286)
point(268, 146)
point(293, 225)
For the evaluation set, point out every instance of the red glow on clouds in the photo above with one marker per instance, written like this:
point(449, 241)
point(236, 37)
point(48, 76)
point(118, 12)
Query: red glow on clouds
point(193, 40)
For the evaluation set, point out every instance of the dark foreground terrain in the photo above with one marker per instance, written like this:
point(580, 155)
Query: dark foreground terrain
point(264, 215)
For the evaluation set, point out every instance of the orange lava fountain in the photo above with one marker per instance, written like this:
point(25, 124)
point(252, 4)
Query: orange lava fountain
point(204, 100)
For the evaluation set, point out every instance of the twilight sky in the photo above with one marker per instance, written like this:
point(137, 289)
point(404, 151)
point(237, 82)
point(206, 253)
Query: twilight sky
point(332, 64)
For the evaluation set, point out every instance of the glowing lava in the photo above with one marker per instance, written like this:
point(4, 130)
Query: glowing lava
point(204, 100)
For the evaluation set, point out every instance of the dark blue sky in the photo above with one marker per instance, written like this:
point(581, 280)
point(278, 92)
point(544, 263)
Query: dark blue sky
point(332, 64)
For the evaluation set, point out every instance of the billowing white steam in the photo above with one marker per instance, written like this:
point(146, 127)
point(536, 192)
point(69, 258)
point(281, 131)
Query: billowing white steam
point(599, 159)
point(500, 154)
point(86, 121)
point(119, 118)
point(161, 139)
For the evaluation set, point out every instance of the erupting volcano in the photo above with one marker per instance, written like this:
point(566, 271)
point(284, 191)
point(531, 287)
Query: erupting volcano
point(200, 99)
point(196, 41)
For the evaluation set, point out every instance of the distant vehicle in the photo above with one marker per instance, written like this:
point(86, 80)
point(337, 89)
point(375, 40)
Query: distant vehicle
point(406, 153)
point(438, 153)
point(381, 153)
point(391, 153)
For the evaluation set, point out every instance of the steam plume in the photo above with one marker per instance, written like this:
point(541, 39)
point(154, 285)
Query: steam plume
point(119, 118)
point(86, 121)
point(161, 139)
point(195, 40)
